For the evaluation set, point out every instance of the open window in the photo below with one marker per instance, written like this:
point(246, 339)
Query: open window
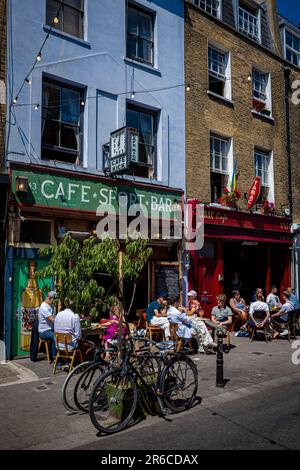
point(219, 165)
point(261, 92)
point(219, 72)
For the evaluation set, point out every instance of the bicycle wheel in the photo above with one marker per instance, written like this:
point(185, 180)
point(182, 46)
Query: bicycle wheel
point(69, 386)
point(149, 368)
point(179, 383)
point(85, 383)
point(113, 401)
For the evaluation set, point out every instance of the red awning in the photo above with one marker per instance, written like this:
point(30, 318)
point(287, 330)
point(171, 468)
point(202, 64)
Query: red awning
point(247, 235)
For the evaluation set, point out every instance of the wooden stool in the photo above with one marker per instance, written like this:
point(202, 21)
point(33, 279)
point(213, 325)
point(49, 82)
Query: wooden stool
point(46, 344)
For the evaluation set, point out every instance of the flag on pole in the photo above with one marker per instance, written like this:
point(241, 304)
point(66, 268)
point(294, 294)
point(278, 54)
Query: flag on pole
point(234, 177)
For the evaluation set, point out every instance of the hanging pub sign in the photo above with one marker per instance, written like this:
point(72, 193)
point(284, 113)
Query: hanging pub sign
point(124, 149)
point(254, 193)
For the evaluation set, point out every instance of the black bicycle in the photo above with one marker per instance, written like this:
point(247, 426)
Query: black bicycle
point(168, 379)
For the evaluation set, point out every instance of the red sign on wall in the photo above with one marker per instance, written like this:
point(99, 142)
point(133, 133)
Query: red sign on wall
point(254, 193)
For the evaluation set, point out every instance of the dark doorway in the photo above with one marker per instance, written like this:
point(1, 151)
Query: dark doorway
point(245, 267)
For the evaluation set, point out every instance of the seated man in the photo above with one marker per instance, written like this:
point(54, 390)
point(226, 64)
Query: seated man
point(157, 315)
point(273, 299)
point(67, 321)
point(283, 315)
point(221, 315)
point(259, 305)
point(190, 327)
point(46, 322)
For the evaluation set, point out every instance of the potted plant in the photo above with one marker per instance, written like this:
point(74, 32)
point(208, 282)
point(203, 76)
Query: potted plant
point(267, 208)
point(230, 198)
point(258, 105)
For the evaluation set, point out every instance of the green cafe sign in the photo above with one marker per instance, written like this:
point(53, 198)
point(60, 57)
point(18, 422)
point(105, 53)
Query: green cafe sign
point(80, 194)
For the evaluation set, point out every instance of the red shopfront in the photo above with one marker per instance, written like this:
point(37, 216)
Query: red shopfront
point(241, 250)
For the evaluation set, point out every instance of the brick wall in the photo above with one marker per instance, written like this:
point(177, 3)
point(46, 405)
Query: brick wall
point(295, 147)
point(2, 79)
point(205, 114)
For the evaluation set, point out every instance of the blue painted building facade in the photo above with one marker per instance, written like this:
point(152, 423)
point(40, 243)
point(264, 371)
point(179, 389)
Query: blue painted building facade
point(106, 64)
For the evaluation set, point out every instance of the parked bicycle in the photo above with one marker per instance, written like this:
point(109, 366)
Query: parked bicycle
point(168, 379)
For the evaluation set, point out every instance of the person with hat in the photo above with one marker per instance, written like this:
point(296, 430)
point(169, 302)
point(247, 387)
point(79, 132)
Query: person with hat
point(157, 315)
point(46, 321)
point(194, 306)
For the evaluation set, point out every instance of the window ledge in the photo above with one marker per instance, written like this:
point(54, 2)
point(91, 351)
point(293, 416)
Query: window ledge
point(220, 98)
point(141, 65)
point(67, 36)
point(263, 116)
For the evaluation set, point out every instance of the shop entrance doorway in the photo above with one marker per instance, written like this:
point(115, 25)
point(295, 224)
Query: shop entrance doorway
point(248, 265)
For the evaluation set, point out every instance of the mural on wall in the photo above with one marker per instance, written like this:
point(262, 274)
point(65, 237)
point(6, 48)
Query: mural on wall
point(28, 296)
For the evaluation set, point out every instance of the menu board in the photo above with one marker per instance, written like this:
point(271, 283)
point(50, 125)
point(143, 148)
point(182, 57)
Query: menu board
point(167, 279)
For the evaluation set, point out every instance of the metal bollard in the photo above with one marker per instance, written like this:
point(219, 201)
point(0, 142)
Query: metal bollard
point(221, 334)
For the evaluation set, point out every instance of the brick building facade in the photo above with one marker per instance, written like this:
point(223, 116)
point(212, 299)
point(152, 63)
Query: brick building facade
point(2, 79)
point(236, 115)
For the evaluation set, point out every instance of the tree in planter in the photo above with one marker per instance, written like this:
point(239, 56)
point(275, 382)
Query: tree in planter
point(73, 267)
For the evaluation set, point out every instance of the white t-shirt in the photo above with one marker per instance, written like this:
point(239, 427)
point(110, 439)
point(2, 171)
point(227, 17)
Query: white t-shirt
point(258, 306)
point(273, 300)
point(287, 307)
point(45, 311)
point(67, 321)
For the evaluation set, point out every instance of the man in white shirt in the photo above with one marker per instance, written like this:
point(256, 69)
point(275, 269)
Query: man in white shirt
point(46, 321)
point(67, 321)
point(273, 299)
point(259, 306)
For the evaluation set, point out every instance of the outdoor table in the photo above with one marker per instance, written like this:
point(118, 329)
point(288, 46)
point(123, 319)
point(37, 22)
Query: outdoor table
point(93, 331)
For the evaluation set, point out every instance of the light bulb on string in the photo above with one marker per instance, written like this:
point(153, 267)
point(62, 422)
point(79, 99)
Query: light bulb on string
point(15, 100)
point(36, 107)
point(28, 80)
point(82, 103)
point(188, 87)
point(56, 20)
point(249, 78)
point(39, 57)
point(133, 95)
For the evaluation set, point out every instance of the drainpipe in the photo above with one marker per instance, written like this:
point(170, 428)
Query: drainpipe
point(287, 73)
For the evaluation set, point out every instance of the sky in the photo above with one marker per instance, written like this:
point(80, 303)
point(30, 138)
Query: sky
point(290, 9)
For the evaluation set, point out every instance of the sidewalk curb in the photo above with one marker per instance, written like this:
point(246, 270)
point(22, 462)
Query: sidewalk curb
point(24, 375)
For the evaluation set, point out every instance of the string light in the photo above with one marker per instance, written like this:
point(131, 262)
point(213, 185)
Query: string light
point(133, 95)
point(36, 107)
point(188, 87)
point(56, 20)
point(29, 81)
point(82, 103)
point(39, 57)
point(15, 100)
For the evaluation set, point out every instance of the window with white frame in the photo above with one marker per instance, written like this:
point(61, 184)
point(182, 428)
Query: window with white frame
point(264, 170)
point(140, 35)
point(219, 156)
point(261, 91)
point(249, 21)
point(71, 16)
point(209, 6)
point(219, 72)
point(292, 48)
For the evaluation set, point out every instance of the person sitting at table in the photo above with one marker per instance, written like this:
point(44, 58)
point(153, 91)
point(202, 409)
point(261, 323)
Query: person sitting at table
point(189, 327)
point(273, 299)
point(46, 322)
point(157, 315)
point(221, 315)
point(113, 325)
point(293, 297)
point(283, 315)
point(238, 306)
point(259, 305)
point(194, 307)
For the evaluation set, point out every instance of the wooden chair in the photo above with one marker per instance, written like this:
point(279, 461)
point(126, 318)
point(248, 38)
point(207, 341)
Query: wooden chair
point(259, 316)
point(140, 323)
point(66, 353)
point(290, 325)
point(179, 342)
point(45, 343)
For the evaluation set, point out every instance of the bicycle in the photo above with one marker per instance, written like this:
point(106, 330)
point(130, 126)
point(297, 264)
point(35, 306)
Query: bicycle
point(173, 387)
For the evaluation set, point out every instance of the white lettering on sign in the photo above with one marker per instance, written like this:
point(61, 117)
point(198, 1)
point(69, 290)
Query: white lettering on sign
point(104, 195)
point(84, 194)
point(60, 191)
point(43, 189)
point(72, 190)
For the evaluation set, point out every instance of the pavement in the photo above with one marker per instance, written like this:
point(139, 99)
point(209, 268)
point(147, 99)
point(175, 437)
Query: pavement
point(258, 408)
